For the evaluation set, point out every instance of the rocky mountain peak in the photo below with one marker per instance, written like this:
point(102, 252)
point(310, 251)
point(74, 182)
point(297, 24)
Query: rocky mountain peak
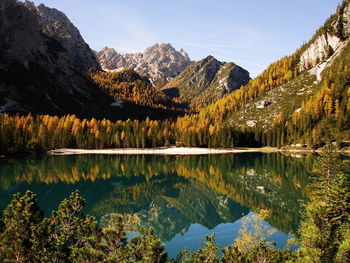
point(206, 81)
point(108, 53)
point(43, 11)
point(159, 62)
point(56, 25)
point(183, 53)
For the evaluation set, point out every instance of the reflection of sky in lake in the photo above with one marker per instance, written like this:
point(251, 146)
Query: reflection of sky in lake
point(183, 198)
point(225, 234)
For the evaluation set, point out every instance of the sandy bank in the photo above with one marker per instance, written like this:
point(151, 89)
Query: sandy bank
point(180, 151)
point(162, 151)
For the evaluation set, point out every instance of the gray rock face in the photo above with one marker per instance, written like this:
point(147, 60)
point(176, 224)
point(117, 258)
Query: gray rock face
point(204, 72)
point(36, 71)
point(326, 44)
point(342, 24)
point(15, 18)
point(206, 81)
point(318, 50)
point(346, 21)
point(262, 104)
point(159, 62)
point(236, 77)
point(56, 25)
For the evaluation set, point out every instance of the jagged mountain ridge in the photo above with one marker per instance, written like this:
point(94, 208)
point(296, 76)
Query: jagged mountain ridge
point(206, 81)
point(36, 70)
point(194, 83)
point(53, 58)
point(159, 63)
point(43, 68)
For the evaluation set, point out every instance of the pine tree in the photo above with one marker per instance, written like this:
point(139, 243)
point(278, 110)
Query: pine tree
point(325, 231)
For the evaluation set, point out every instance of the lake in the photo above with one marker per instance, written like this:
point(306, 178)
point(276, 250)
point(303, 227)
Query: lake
point(182, 197)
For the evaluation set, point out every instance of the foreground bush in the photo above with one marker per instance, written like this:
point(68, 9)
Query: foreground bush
point(70, 236)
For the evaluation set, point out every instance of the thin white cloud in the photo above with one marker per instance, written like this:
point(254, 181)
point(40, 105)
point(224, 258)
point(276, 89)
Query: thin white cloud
point(250, 33)
point(123, 28)
point(216, 47)
point(250, 63)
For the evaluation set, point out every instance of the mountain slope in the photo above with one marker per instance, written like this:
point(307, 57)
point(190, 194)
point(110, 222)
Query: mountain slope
point(303, 98)
point(36, 74)
point(311, 108)
point(159, 62)
point(127, 86)
point(206, 81)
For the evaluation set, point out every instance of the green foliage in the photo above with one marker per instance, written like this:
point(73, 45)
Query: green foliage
point(70, 236)
point(146, 248)
point(209, 252)
point(250, 247)
point(261, 252)
point(324, 232)
point(253, 232)
point(20, 223)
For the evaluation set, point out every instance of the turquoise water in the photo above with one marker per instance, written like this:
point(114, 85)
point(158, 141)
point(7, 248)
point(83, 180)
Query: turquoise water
point(183, 198)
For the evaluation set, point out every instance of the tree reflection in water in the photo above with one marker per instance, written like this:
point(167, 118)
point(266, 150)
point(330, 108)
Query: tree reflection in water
point(168, 193)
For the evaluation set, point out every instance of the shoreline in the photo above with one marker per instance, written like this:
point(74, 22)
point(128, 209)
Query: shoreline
point(151, 151)
point(179, 151)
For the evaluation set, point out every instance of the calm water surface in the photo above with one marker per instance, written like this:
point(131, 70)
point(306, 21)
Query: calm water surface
point(182, 197)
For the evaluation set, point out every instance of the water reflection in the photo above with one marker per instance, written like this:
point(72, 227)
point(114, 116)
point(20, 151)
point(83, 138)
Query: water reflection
point(169, 193)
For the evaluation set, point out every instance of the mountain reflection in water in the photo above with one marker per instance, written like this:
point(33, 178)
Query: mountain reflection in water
point(169, 193)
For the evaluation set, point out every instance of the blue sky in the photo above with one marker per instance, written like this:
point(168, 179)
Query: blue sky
point(251, 33)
